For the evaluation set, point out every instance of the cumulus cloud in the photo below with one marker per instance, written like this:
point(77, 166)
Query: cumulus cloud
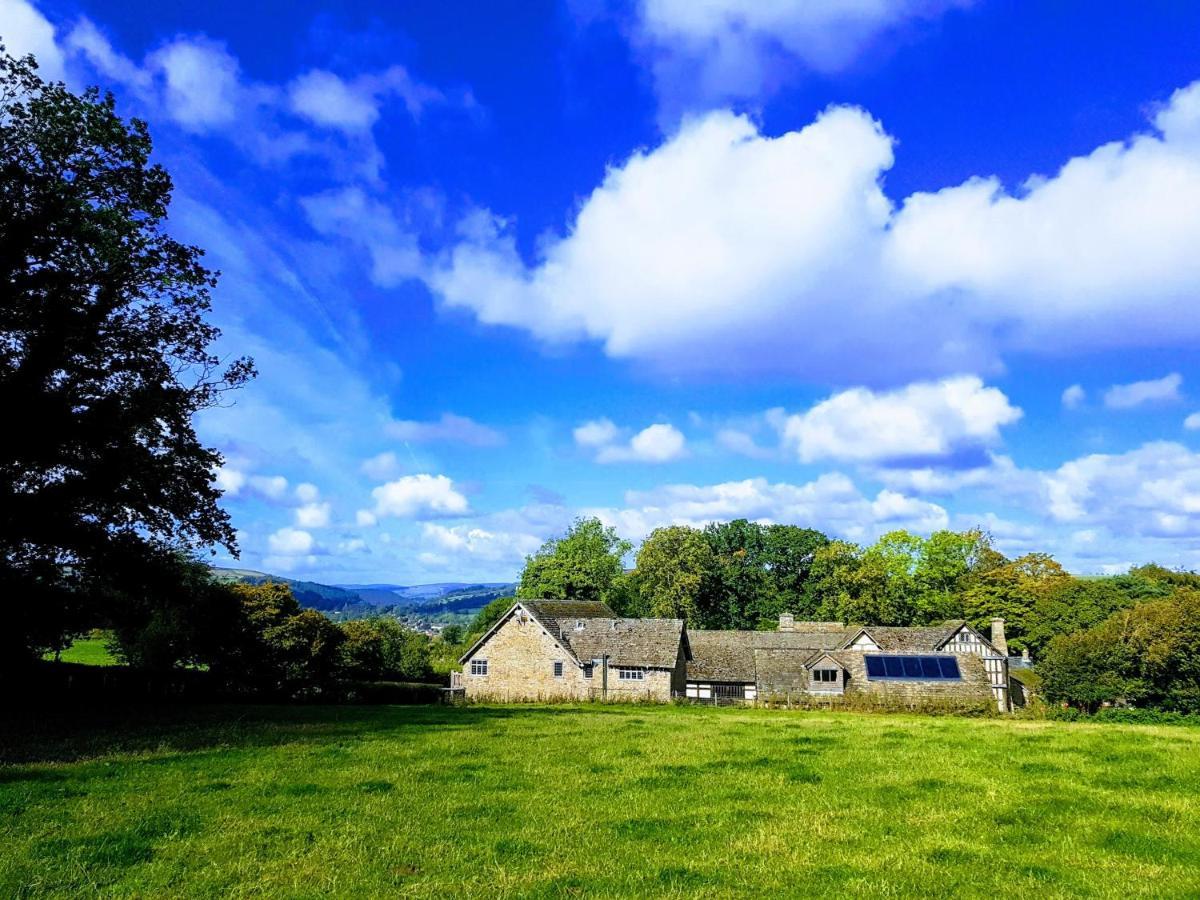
point(1140, 393)
point(1153, 490)
point(725, 248)
point(230, 481)
point(703, 53)
point(596, 433)
point(449, 429)
point(291, 542)
point(470, 544)
point(831, 502)
point(202, 82)
point(313, 515)
point(272, 487)
point(656, 443)
point(24, 30)
point(1192, 422)
point(924, 420)
point(381, 467)
point(329, 100)
point(419, 497)
point(1073, 397)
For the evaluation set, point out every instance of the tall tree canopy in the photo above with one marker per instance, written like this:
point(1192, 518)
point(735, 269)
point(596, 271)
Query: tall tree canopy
point(105, 357)
point(584, 564)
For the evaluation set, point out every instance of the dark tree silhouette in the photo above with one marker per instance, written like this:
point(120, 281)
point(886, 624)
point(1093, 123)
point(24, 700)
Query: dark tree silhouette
point(105, 357)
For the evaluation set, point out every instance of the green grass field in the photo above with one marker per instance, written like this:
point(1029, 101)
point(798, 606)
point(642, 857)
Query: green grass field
point(88, 652)
point(593, 801)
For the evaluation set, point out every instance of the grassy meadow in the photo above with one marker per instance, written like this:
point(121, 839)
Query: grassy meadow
point(592, 801)
point(92, 651)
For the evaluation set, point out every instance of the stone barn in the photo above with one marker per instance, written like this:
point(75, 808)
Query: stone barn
point(943, 664)
point(575, 650)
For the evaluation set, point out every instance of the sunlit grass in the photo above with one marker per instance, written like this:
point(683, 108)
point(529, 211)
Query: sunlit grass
point(629, 801)
point(91, 651)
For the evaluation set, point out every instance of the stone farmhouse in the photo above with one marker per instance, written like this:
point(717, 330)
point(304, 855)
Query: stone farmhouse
point(562, 649)
point(576, 650)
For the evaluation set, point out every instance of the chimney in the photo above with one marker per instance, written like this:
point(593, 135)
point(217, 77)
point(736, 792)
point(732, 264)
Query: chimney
point(999, 641)
point(787, 622)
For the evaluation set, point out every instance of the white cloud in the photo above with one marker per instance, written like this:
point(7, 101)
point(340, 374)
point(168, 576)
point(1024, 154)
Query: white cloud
point(596, 433)
point(230, 481)
point(656, 443)
point(932, 419)
point(24, 30)
point(326, 99)
point(707, 52)
point(1192, 422)
point(291, 542)
point(1139, 393)
point(351, 213)
point(381, 467)
point(1073, 397)
point(727, 249)
point(272, 487)
point(741, 442)
point(313, 515)
point(202, 82)
point(307, 492)
point(449, 428)
point(364, 518)
point(831, 503)
point(419, 497)
point(1153, 490)
point(999, 474)
point(468, 544)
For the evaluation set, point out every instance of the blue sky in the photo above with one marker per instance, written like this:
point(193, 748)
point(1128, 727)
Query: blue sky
point(855, 266)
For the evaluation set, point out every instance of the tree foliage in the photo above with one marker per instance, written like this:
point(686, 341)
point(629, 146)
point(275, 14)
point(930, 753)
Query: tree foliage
point(675, 567)
point(584, 564)
point(105, 357)
point(381, 649)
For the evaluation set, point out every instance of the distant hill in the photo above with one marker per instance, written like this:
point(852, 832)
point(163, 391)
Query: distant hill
point(430, 601)
point(324, 597)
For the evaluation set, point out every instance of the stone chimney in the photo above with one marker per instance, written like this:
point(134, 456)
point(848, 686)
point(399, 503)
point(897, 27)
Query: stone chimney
point(787, 622)
point(999, 641)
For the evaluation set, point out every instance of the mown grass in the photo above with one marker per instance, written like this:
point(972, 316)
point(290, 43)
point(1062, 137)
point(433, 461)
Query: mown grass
point(593, 801)
point(88, 652)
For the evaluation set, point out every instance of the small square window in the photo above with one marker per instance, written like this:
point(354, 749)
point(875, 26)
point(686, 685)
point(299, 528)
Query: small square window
point(587, 670)
point(479, 667)
point(558, 669)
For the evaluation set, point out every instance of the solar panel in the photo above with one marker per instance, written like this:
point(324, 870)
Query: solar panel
point(949, 666)
point(923, 668)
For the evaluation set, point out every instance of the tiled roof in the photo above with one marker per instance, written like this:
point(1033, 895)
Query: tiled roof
point(896, 639)
point(560, 615)
point(732, 655)
point(721, 656)
point(627, 642)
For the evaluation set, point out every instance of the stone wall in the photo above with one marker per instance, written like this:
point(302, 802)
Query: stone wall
point(521, 656)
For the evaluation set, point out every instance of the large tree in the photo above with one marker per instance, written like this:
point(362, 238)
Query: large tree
point(676, 569)
point(584, 564)
point(106, 355)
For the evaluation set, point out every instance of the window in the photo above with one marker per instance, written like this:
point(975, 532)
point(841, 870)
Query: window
point(558, 668)
point(627, 674)
point(588, 668)
point(913, 668)
point(479, 667)
point(827, 676)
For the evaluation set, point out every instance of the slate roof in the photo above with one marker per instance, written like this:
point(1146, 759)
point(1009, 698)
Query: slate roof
point(721, 656)
point(733, 655)
point(653, 643)
point(910, 639)
point(560, 615)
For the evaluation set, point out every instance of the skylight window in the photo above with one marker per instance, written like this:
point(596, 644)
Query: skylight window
point(913, 668)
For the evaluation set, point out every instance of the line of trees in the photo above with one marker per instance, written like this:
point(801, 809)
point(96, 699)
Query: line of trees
point(257, 639)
